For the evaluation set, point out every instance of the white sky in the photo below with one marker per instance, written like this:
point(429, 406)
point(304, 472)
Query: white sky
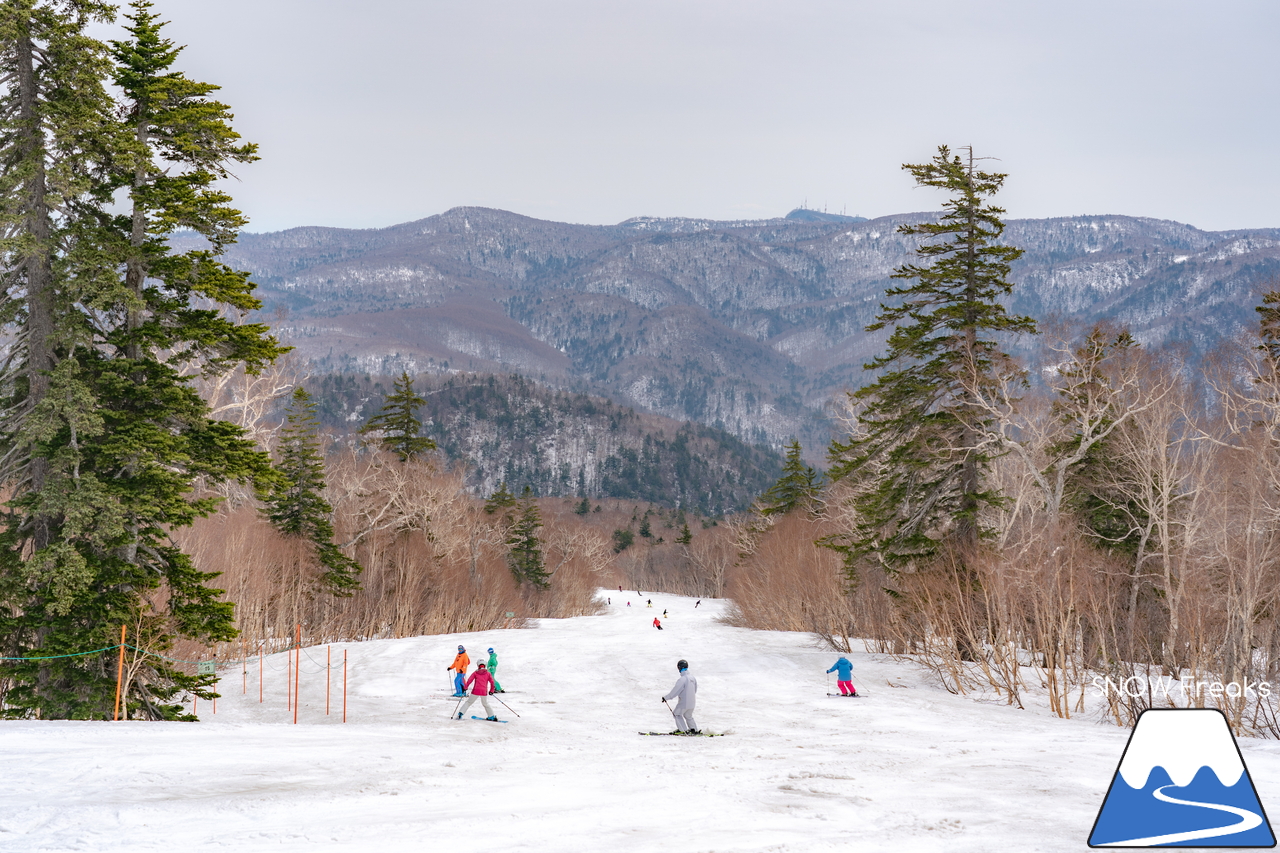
point(376, 112)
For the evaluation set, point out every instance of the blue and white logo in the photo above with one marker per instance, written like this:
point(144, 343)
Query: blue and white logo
point(1182, 783)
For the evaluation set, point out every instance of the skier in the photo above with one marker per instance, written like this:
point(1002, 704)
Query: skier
point(459, 666)
point(844, 673)
point(650, 604)
point(481, 684)
point(664, 614)
point(686, 690)
point(696, 603)
point(493, 671)
point(656, 623)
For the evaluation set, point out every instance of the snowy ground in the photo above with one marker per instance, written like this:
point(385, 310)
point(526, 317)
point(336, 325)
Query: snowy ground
point(908, 767)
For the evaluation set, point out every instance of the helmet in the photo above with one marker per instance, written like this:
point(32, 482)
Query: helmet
point(682, 665)
point(461, 649)
point(490, 651)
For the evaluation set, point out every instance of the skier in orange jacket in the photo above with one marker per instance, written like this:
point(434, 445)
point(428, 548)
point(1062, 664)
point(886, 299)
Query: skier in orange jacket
point(459, 667)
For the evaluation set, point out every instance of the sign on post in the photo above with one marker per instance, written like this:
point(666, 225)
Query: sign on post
point(207, 667)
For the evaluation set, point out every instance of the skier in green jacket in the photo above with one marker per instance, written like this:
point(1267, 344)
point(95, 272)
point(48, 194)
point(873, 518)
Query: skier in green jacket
point(493, 670)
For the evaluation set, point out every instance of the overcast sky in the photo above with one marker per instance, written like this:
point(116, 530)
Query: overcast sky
point(377, 112)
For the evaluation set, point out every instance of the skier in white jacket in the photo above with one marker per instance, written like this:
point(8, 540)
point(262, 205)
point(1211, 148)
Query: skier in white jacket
point(686, 690)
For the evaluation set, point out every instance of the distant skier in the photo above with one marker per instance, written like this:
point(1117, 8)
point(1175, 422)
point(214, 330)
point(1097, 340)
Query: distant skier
point(493, 671)
point(481, 684)
point(844, 673)
point(656, 623)
point(650, 604)
point(686, 690)
point(459, 667)
point(664, 614)
point(696, 603)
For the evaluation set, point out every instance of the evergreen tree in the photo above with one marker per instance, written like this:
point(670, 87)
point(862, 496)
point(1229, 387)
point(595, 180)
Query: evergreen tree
point(623, 539)
point(296, 505)
point(525, 554)
point(398, 422)
point(104, 437)
point(918, 461)
point(798, 486)
point(583, 507)
point(645, 531)
point(686, 535)
point(500, 501)
point(1269, 328)
point(1112, 520)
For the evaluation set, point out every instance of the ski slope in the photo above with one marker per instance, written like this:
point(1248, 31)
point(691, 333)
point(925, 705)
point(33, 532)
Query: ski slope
point(908, 767)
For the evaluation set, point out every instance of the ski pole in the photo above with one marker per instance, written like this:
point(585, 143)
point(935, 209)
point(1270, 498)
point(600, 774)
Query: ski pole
point(504, 704)
point(454, 713)
point(673, 713)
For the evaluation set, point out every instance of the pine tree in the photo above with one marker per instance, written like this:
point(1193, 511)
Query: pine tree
point(104, 437)
point(1269, 328)
point(398, 422)
point(525, 554)
point(583, 507)
point(296, 505)
point(918, 462)
point(500, 501)
point(686, 535)
point(798, 487)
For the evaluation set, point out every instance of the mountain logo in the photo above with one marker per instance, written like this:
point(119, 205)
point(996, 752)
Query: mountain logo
point(1182, 783)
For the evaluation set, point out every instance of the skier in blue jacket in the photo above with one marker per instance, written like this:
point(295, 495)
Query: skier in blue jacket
point(844, 675)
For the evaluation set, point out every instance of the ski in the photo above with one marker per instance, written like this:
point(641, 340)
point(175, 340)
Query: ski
point(487, 720)
point(682, 734)
point(846, 695)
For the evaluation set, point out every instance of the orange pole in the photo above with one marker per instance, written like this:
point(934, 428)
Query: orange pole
point(288, 682)
point(297, 666)
point(120, 673)
point(328, 661)
point(344, 685)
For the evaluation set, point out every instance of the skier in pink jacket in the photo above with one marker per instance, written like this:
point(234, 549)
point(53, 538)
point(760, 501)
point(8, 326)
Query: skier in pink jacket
point(481, 684)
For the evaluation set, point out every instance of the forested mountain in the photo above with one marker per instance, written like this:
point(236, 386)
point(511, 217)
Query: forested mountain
point(510, 429)
point(752, 326)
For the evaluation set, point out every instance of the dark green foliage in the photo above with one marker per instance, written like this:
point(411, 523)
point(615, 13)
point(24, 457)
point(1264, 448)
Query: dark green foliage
point(398, 422)
point(500, 501)
point(644, 528)
point(798, 487)
point(296, 504)
point(1269, 327)
point(622, 540)
point(918, 462)
point(583, 507)
point(1113, 520)
point(525, 554)
point(686, 535)
point(107, 439)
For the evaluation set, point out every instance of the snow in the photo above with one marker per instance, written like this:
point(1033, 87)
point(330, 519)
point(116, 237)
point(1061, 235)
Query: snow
point(907, 767)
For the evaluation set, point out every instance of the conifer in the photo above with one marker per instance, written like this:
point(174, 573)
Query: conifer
point(296, 504)
point(525, 554)
point(798, 487)
point(398, 422)
point(918, 461)
point(104, 437)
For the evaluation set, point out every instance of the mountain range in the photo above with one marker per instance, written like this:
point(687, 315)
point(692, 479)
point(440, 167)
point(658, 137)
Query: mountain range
point(753, 326)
